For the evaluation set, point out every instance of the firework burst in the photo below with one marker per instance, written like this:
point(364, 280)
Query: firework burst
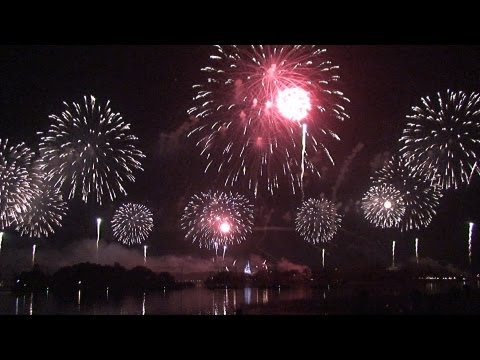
point(441, 141)
point(383, 206)
point(317, 220)
point(253, 109)
point(15, 181)
point(419, 197)
point(89, 150)
point(215, 219)
point(132, 223)
point(46, 208)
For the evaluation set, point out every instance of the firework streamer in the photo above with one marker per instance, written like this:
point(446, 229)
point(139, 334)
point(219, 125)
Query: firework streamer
point(99, 221)
point(470, 232)
point(393, 254)
point(304, 147)
point(323, 258)
point(1, 239)
point(79, 298)
point(34, 248)
point(145, 254)
point(416, 249)
point(224, 250)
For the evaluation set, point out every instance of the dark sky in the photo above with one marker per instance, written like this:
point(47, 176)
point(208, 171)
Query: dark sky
point(151, 87)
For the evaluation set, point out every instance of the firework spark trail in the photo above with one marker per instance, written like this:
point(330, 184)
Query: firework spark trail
point(99, 221)
point(1, 239)
point(224, 250)
point(34, 248)
point(441, 142)
point(16, 189)
point(88, 150)
point(317, 220)
point(132, 223)
point(245, 119)
point(470, 232)
point(79, 299)
point(214, 219)
point(416, 249)
point(383, 206)
point(323, 258)
point(304, 146)
point(393, 254)
point(420, 198)
point(144, 254)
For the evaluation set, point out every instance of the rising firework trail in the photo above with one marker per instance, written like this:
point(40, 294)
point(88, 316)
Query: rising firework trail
point(89, 151)
point(416, 249)
point(470, 232)
point(250, 105)
point(79, 296)
point(34, 248)
point(393, 254)
point(441, 141)
point(144, 254)
point(99, 222)
point(1, 239)
point(323, 258)
point(214, 219)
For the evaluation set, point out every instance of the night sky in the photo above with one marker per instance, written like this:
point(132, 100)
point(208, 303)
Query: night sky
point(151, 87)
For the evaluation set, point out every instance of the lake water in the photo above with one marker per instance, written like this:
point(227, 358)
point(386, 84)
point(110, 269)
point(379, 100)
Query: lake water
point(192, 301)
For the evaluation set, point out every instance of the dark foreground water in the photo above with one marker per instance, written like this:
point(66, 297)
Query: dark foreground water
point(194, 301)
point(203, 301)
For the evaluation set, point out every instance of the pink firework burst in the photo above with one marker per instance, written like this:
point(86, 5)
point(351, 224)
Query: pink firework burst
point(250, 107)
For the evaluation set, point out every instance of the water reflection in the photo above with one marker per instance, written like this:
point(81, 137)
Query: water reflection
point(248, 295)
point(31, 304)
point(192, 301)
